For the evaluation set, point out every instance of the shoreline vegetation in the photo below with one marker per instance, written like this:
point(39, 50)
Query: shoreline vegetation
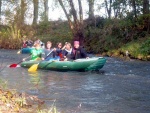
point(14, 102)
point(106, 37)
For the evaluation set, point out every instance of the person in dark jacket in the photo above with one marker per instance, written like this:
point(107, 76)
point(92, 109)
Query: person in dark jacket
point(67, 52)
point(78, 51)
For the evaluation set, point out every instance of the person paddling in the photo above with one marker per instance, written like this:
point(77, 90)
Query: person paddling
point(49, 52)
point(36, 53)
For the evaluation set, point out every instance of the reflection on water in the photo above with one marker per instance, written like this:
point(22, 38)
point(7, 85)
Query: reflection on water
point(35, 80)
point(119, 87)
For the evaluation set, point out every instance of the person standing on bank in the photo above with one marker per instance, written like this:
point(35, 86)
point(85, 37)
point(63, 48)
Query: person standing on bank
point(78, 51)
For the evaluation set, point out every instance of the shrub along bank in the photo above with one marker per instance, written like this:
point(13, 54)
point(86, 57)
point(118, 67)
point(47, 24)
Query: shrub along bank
point(111, 37)
point(120, 38)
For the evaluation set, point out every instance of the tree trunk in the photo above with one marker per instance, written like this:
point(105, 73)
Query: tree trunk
point(23, 9)
point(76, 26)
point(91, 9)
point(80, 12)
point(146, 11)
point(0, 9)
point(108, 7)
point(134, 8)
point(35, 13)
point(145, 6)
point(46, 10)
point(74, 13)
point(67, 15)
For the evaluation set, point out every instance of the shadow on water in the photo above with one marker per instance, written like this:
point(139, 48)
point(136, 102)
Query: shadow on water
point(119, 87)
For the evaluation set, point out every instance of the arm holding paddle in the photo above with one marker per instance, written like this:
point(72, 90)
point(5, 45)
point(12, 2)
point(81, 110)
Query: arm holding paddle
point(35, 66)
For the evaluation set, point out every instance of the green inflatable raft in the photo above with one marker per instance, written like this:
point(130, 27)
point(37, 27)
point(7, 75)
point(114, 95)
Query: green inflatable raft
point(94, 63)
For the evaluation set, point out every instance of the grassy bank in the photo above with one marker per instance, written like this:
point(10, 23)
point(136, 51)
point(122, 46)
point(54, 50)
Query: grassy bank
point(139, 49)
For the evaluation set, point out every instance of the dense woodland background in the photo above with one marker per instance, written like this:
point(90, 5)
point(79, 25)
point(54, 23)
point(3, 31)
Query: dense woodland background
point(125, 25)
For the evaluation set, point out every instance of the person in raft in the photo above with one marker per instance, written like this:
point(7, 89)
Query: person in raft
point(49, 52)
point(59, 49)
point(36, 53)
point(78, 51)
point(40, 42)
point(67, 52)
point(24, 45)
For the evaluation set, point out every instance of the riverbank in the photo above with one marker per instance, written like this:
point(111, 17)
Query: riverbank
point(11, 102)
point(112, 39)
point(14, 102)
point(134, 50)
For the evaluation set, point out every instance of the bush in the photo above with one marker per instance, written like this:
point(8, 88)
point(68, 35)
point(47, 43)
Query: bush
point(145, 47)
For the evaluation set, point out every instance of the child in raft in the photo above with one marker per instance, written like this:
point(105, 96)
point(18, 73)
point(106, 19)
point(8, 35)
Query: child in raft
point(36, 53)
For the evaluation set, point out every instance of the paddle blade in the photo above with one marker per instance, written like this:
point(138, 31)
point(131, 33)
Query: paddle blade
point(19, 52)
point(13, 65)
point(33, 68)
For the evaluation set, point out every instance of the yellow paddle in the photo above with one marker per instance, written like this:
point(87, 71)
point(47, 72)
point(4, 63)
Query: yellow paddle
point(34, 67)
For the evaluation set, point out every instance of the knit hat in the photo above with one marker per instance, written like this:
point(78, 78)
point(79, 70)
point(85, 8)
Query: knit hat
point(76, 42)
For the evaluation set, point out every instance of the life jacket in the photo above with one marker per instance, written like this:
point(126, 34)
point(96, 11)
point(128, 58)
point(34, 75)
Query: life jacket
point(61, 56)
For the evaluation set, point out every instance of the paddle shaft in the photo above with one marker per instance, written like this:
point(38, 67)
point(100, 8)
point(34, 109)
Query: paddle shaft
point(49, 53)
point(19, 62)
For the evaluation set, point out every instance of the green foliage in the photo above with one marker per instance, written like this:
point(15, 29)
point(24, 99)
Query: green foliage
point(10, 37)
point(145, 47)
point(138, 49)
point(133, 48)
point(14, 32)
point(120, 35)
point(43, 28)
point(54, 32)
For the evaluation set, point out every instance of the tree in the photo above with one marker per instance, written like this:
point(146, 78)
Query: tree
point(108, 5)
point(76, 24)
point(91, 9)
point(23, 9)
point(46, 10)
point(119, 7)
point(146, 11)
point(133, 2)
point(35, 13)
point(0, 9)
point(145, 6)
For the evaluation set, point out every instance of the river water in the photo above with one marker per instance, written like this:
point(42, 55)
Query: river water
point(121, 86)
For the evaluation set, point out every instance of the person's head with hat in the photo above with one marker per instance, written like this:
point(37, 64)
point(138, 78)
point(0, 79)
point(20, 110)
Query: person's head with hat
point(76, 44)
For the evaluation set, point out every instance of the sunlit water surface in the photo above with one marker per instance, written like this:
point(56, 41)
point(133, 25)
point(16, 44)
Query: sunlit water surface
point(119, 87)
